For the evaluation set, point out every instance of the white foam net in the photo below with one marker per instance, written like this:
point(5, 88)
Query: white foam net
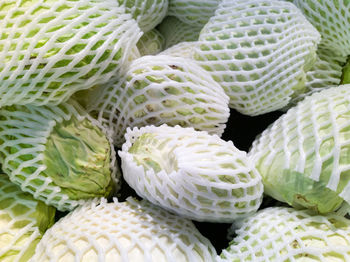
point(24, 131)
point(285, 234)
point(311, 139)
point(332, 20)
point(176, 31)
point(196, 175)
point(147, 13)
point(258, 51)
point(128, 231)
point(196, 13)
point(183, 49)
point(19, 231)
point(326, 72)
point(158, 90)
point(151, 43)
point(51, 49)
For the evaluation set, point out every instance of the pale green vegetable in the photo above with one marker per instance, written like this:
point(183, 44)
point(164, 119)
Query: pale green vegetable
point(259, 52)
point(57, 153)
point(191, 173)
point(281, 234)
point(128, 231)
point(346, 73)
point(147, 13)
point(151, 43)
point(303, 157)
point(23, 221)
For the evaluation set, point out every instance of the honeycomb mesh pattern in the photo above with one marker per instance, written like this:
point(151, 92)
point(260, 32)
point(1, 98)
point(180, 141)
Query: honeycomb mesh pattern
point(258, 51)
point(285, 234)
point(158, 90)
point(19, 230)
point(196, 13)
point(176, 31)
point(51, 49)
point(147, 13)
point(311, 139)
point(128, 231)
point(183, 49)
point(23, 134)
point(332, 20)
point(151, 43)
point(201, 177)
point(326, 72)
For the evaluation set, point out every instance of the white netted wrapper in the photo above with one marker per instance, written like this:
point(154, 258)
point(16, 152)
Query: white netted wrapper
point(176, 31)
point(285, 234)
point(24, 132)
point(303, 157)
point(51, 49)
point(183, 49)
point(193, 12)
point(258, 51)
point(23, 221)
point(127, 232)
point(161, 89)
point(326, 72)
point(191, 173)
point(151, 43)
point(147, 13)
point(332, 20)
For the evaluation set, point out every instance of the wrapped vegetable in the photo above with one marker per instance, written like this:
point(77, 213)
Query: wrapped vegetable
point(259, 52)
point(183, 49)
point(57, 153)
point(147, 13)
point(51, 49)
point(23, 221)
point(128, 231)
point(303, 157)
point(332, 20)
point(160, 89)
point(193, 12)
point(191, 173)
point(176, 31)
point(151, 43)
point(283, 234)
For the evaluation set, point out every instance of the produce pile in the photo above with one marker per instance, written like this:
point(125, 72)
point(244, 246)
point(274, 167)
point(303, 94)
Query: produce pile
point(174, 130)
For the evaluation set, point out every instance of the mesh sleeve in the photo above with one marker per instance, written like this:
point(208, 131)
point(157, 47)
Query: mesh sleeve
point(195, 13)
point(147, 13)
point(310, 141)
point(332, 20)
point(151, 43)
point(20, 228)
point(128, 231)
point(51, 49)
point(285, 234)
point(193, 174)
point(23, 134)
point(176, 31)
point(258, 51)
point(158, 90)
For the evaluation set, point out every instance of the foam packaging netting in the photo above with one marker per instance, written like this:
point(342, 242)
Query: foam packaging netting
point(285, 234)
point(23, 221)
point(259, 52)
point(191, 173)
point(326, 72)
point(51, 49)
point(161, 89)
point(332, 20)
point(175, 31)
point(151, 43)
point(24, 132)
point(147, 13)
point(196, 13)
point(127, 231)
point(304, 154)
